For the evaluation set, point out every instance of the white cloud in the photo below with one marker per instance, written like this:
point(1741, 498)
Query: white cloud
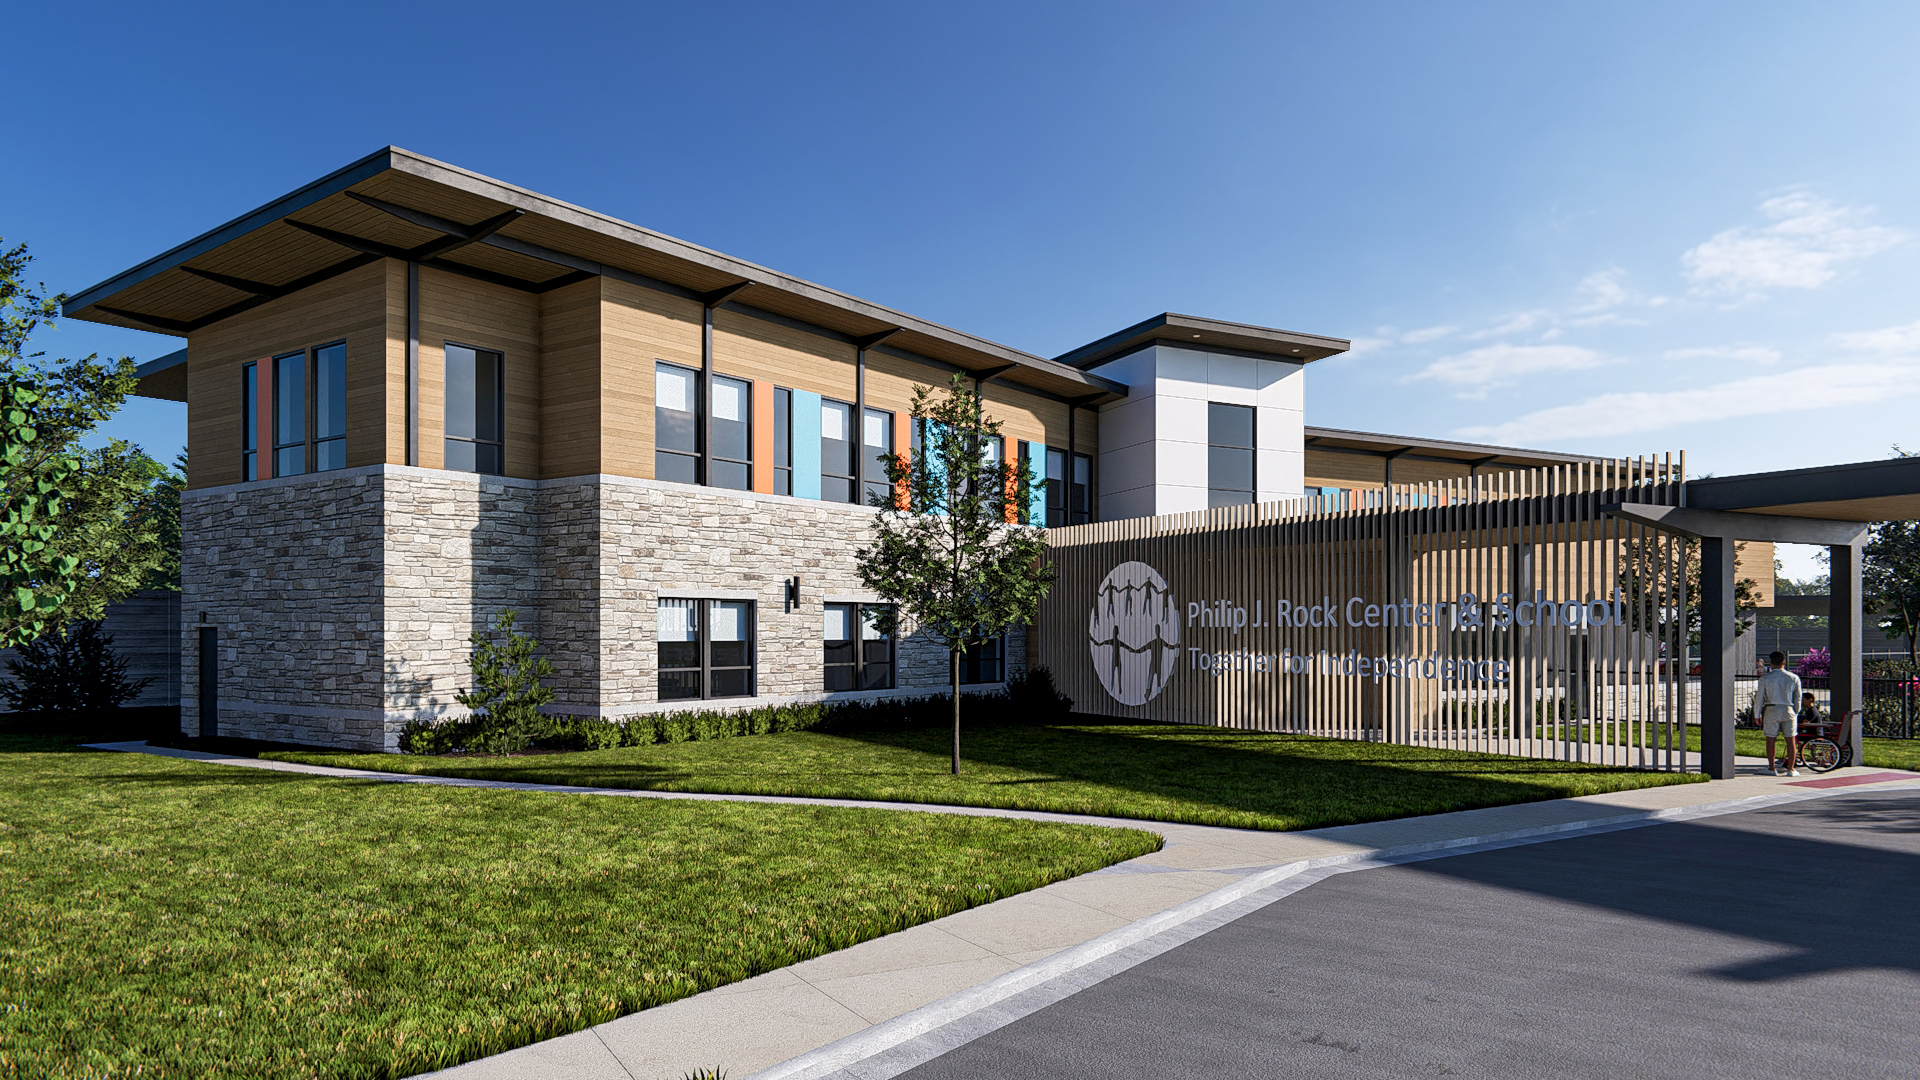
point(1893, 339)
point(1742, 354)
point(1801, 249)
point(1426, 334)
point(1636, 411)
point(1476, 371)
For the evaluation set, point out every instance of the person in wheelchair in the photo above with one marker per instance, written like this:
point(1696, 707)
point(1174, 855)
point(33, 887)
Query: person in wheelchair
point(1810, 715)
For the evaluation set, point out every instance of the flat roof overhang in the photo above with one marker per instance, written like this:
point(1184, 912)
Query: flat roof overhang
point(1374, 444)
point(1212, 333)
point(397, 204)
point(1886, 490)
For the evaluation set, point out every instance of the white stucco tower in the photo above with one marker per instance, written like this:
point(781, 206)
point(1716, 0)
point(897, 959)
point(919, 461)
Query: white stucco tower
point(1161, 449)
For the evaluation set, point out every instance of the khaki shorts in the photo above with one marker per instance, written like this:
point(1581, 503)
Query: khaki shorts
point(1782, 727)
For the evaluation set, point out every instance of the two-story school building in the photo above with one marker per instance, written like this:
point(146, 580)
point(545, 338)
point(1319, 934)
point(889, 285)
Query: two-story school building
point(418, 397)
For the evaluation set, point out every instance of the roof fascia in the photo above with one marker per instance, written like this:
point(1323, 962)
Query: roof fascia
point(1403, 443)
point(473, 183)
point(334, 182)
point(1822, 484)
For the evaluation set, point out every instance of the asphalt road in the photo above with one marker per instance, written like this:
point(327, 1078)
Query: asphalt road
point(1774, 943)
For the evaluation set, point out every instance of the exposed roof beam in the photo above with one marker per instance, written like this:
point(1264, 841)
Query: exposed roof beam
point(348, 240)
point(1687, 521)
point(871, 340)
point(158, 322)
point(457, 235)
point(722, 295)
point(981, 378)
point(257, 288)
point(565, 280)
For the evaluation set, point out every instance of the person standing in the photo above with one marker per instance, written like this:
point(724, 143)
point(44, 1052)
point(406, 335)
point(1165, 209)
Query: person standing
point(1776, 704)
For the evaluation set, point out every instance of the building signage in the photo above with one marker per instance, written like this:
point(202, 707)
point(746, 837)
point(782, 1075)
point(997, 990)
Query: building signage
point(1135, 633)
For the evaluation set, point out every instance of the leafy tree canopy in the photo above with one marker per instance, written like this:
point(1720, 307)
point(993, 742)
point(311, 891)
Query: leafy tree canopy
point(82, 528)
point(946, 547)
point(1890, 577)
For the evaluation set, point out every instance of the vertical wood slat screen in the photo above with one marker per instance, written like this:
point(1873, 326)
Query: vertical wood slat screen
point(1604, 681)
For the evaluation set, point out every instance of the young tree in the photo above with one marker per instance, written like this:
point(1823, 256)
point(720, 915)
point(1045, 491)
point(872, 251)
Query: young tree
point(508, 690)
point(1890, 578)
point(82, 528)
point(946, 548)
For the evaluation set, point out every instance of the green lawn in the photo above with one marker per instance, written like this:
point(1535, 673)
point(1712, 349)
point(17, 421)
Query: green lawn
point(1880, 753)
point(1752, 742)
point(1160, 772)
point(163, 918)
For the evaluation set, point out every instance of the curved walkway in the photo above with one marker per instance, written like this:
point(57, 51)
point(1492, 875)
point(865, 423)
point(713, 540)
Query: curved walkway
point(883, 1006)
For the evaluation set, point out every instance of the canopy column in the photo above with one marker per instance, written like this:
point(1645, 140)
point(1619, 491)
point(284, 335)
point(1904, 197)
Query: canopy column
point(1843, 620)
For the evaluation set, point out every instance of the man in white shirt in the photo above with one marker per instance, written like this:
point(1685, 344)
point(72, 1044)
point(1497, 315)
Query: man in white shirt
point(1776, 705)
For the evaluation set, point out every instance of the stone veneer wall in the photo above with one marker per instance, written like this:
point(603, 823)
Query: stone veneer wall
point(290, 572)
point(345, 600)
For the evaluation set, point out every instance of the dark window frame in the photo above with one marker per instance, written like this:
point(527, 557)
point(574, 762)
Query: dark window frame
point(876, 486)
point(250, 420)
point(311, 441)
point(852, 476)
point(782, 441)
point(695, 455)
point(1251, 448)
point(983, 657)
point(746, 404)
point(858, 665)
point(499, 408)
point(703, 648)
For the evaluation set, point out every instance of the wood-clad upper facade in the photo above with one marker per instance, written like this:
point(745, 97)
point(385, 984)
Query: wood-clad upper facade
point(402, 258)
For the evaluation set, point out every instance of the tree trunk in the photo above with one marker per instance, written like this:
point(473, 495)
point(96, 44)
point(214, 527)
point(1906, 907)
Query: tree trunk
point(953, 669)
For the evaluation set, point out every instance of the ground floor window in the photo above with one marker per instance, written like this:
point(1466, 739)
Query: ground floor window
point(985, 662)
point(706, 648)
point(858, 655)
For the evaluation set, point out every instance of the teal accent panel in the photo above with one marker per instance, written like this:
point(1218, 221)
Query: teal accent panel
point(806, 445)
point(1037, 474)
point(936, 466)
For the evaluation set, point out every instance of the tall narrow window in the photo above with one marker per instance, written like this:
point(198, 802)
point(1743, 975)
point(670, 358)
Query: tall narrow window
point(782, 441)
point(706, 648)
point(1056, 487)
point(290, 414)
point(1080, 495)
point(330, 407)
point(1229, 454)
point(858, 655)
point(676, 427)
point(876, 453)
point(732, 433)
point(476, 394)
point(836, 452)
point(250, 424)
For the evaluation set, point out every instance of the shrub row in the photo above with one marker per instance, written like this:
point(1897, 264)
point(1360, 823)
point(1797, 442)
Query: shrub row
point(1030, 698)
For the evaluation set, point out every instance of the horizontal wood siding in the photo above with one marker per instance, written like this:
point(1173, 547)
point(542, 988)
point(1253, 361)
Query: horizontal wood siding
point(570, 338)
point(486, 316)
point(749, 347)
point(639, 326)
point(353, 306)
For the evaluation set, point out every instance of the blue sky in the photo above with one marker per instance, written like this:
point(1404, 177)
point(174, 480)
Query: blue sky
point(1619, 229)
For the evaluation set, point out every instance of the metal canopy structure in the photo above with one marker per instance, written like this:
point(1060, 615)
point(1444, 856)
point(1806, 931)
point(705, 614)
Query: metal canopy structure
point(1828, 506)
point(399, 205)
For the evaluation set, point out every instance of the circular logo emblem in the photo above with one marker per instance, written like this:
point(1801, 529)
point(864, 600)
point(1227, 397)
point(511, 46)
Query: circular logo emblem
point(1134, 633)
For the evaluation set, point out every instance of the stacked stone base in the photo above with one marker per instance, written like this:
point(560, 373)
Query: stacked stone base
point(344, 603)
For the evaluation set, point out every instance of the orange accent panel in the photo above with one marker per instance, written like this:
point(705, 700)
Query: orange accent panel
point(263, 418)
point(903, 449)
point(762, 436)
point(1013, 482)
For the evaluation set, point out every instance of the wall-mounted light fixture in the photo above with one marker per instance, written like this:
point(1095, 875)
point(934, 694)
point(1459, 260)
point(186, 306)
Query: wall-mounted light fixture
point(793, 595)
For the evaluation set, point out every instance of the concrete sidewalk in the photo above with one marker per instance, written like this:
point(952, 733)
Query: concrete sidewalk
point(876, 1008)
